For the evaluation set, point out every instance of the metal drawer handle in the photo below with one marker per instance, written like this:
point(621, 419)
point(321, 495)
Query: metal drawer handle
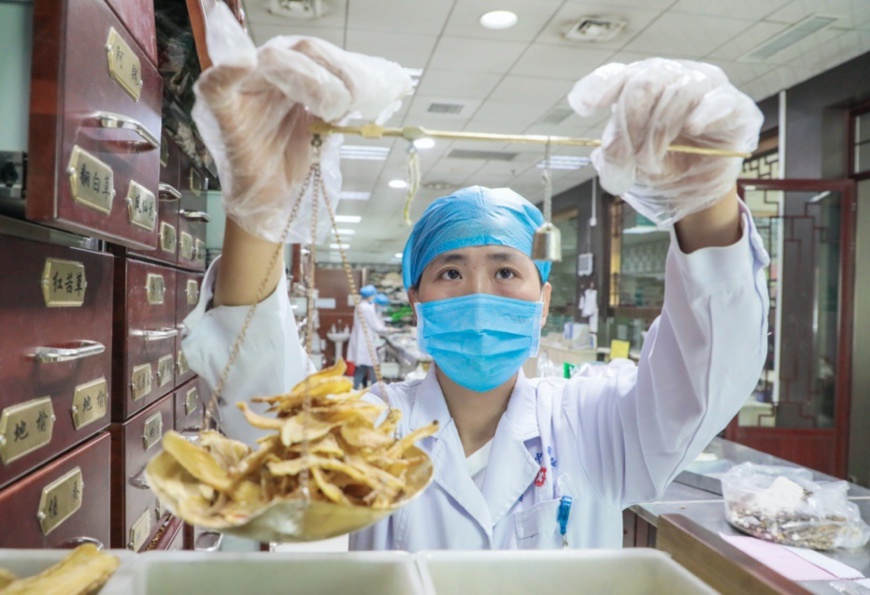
point(73, 543)
point(50, 355)
point(157, 335)
point(113, 120)
point(208, 541)
point(194, 215)
point(168, 192)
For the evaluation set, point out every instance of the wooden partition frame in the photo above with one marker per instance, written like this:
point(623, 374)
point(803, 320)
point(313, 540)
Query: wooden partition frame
point(716, 562)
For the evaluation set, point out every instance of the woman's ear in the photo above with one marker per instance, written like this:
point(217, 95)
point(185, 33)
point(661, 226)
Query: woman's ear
point(545, 298)
point(412, 299)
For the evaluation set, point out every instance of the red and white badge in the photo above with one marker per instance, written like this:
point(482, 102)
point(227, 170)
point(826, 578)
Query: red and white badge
point(541, 477)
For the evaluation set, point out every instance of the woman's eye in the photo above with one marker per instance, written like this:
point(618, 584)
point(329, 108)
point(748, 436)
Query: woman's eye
point(505, 274)
point(451, 274)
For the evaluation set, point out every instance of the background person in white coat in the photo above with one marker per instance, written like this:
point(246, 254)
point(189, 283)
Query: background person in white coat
point(505, 456)
point(358, 350)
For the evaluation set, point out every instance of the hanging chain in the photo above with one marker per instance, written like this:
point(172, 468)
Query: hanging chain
point(548, 185)
point(212, 412)
point(356, 303)
point(317, 181)
point(413, 182)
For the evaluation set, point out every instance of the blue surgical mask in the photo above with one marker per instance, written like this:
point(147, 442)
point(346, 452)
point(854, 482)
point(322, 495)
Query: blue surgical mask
point(479, 340)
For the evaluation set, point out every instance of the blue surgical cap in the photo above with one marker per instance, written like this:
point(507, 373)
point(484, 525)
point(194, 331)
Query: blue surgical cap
point(382, 300)
point(368, 291)
point(474, 216)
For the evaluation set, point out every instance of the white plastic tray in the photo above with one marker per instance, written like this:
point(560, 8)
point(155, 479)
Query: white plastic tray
point(159, 573)
point(25, 563)
point(638, 571)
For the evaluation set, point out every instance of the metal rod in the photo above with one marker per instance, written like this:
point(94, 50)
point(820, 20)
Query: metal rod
point(412, 133)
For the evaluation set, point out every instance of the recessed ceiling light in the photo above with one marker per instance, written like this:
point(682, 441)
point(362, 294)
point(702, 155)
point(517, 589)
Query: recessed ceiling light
point(398, 184)
point(398, 255)
point(351, 195)
point(424, 143)
point(344, 232)
point(364, 152)
point(348, 218)
point(499, 19)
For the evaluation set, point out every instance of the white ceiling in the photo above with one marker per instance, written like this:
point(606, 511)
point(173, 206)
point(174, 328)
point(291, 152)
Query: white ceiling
point(508, 80)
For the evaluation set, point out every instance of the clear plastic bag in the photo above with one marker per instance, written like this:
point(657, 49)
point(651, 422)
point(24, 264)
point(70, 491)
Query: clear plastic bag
point(784, 505)
point(656, 103)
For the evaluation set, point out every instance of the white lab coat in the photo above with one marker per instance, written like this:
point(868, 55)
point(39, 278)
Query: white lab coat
point(607, 442)
point(357, 348)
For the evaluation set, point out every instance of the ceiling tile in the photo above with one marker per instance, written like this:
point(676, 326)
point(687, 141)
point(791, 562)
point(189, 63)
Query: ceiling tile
point(262, 33)
point(741, 72)
point(749, 9)
point(427, 18)
point(851, 12)
point(409, 50)
point(475, 55)
point(697, 35)
point(334, 16)
point(450, 83)
point(844, 46)
point(637, 18)
point(747, 40)
point(532, 90)
point(532, 16)
point(519, 114)
point(560, 62)
point(656, 4)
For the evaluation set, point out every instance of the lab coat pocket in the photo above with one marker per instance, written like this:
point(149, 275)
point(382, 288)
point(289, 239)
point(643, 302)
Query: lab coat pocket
point(538, 526)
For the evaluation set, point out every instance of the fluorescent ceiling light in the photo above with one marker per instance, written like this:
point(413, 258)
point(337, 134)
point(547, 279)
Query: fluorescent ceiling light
point(499, 19)
point(351, 195)
point(344, 232)
point(424, 143)
point(565, 162)
point(364, 152)
point(398, 184)
point(348, 218)
point(789, 37)
point(339, 246)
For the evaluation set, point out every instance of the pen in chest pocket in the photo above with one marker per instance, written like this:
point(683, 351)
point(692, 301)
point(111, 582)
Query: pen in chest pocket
point(562, 518)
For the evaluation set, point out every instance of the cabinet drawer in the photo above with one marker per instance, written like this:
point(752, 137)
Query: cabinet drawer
point(56, 350)
point(189, 405)
point(135, 510)
point(138, 16)
point(62, 503)
point(192, 216)
point(145, 334)
point(168, 202)
point(90, 117)
point(187, 290)
point(169, 537)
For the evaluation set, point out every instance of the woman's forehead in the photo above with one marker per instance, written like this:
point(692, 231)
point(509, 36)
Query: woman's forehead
point(477, 254)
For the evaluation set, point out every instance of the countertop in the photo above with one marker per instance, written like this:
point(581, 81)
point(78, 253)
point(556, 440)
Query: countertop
point(707, 508)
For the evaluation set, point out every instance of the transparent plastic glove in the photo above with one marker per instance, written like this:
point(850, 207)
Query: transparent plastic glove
point(656, 103)
point(254, 107)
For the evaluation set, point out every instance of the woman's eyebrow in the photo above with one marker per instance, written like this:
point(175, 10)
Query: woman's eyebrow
point(503, 256)
point(450, 258)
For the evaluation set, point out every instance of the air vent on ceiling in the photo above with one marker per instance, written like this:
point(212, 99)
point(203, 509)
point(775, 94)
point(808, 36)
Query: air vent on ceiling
point(789, 37)
point(445, 108)
point(556, 115)
point(297, 9)
point(597, 28)
point(481, 155)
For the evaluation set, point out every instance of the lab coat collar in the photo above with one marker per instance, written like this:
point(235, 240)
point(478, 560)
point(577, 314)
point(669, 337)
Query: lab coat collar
point(511, 468)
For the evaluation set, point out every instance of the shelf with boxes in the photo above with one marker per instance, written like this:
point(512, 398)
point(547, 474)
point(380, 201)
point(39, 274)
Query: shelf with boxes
point(95, 286)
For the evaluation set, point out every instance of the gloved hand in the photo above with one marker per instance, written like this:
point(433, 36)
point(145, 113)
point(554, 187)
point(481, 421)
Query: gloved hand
point(656, 103)
point(254, 107)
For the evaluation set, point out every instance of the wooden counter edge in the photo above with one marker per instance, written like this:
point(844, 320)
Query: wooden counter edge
point(716, 562)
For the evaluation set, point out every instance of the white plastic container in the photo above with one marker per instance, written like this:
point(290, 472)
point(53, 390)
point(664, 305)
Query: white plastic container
point(159, 573)
point(637, 571)
point(25, 563)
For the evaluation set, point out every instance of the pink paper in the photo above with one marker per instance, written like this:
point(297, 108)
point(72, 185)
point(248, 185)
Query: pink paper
point(779, 559)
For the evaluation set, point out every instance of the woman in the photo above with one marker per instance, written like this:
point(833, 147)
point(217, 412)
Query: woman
point(509, 449)
point(358, 350)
